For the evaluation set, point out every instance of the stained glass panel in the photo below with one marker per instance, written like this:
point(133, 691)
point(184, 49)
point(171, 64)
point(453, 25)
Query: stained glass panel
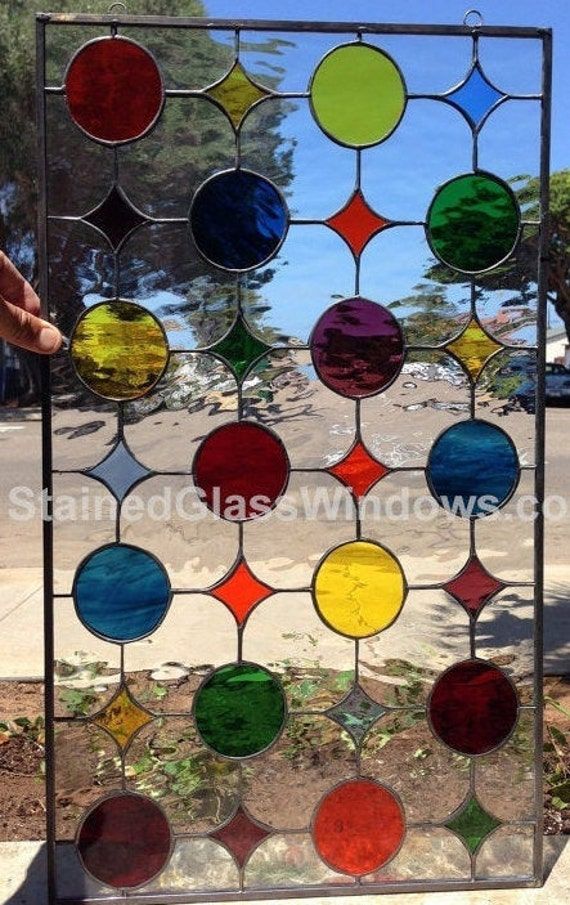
point(296, 419)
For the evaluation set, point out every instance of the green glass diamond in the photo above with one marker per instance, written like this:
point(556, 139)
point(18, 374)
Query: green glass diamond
point(356, 713)
point(473, 824)
point(240, 348)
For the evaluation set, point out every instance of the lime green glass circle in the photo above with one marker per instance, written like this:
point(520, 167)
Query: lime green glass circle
point(473, 222)
point(358, 95)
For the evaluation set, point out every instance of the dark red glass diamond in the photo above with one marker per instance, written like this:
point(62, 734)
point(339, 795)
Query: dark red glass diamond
point(241, 591)
point(358, 470)
point(114, 89)
point(125, 840)
point(241, 471)
point(115, 216)
point(357, 223)
point(473, 707)
point(241, 836)
point(473, 587)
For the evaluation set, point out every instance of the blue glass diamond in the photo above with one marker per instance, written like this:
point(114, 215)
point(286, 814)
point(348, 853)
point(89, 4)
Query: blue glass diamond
point(357, 713)
point(119, 471)
point(475, 96)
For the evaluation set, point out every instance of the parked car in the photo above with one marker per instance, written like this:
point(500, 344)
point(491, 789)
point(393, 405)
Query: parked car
point(557, 384)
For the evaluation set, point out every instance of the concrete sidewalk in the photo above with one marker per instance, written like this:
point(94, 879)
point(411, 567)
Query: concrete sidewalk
point(22, 882)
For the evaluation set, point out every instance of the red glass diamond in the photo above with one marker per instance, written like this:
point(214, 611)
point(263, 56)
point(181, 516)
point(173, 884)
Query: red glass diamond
point(241, 591)
point(241, 836)
point(357, 222)
point(473, 587)
point(359, 470)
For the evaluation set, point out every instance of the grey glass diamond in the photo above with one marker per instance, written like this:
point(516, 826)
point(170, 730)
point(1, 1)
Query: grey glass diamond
point(119, 471)
point(356, 713)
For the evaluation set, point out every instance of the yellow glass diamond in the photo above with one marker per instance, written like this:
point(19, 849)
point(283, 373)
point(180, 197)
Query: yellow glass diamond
point(236, 93)
point(473, 348)
point(122, 717)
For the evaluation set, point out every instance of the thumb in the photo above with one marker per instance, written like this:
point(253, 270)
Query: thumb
point(26, 330)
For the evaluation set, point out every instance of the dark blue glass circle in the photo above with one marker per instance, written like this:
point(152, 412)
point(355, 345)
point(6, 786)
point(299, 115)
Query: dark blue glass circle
point(238, 219)
point(472, 468)
point(121, 592)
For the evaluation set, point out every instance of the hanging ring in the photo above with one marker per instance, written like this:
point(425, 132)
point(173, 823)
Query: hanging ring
point(114, 6)
point(473, 18)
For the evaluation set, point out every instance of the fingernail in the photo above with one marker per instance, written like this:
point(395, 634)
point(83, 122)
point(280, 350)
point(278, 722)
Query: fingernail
point(49, 339)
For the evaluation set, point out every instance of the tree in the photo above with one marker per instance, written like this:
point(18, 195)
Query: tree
point(193, 143)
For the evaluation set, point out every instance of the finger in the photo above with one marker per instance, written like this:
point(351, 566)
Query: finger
point(15, 288)
point(26, 330)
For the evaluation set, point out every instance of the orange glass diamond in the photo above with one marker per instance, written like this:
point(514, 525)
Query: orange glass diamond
point(356, 223)
point(241, 591)
point(358, 470)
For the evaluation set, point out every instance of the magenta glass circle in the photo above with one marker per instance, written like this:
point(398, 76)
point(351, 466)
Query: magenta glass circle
point(357, 348)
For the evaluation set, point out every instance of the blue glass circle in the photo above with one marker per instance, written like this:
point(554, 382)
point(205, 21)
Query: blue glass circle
point(472, 468)
point(238, 219)
point(121, 592)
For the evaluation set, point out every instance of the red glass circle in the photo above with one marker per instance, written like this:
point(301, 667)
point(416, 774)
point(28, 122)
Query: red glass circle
point(241, 469)
point(358, 827)
point(114, 89)
point(473, 707)
point(124, 841)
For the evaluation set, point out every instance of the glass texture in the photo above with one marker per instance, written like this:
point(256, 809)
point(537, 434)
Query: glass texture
point(124, 841)
point(357, 223)
point(122, 717)
point(115, 216)
point(238, 220)
point(241, 591)
point(241, 836)
point(359, 589)
point(240, 348)
point(473, 824)
point(473, 348)
point(357, 348)
point(473, 222)
point(475, 97)
point(358, 827)
point(358, 95)
point(236, 93)
point(242, 469)
point(114, 90)
point(358, 470)
point(473, 587)
point(473, 463)
point(473, 707)
point(239, 710)
point(357, 713)
point(102, 350)
point(121, 592)
point(119, 471)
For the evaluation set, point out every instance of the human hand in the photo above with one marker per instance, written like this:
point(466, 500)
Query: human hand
point(20, 323)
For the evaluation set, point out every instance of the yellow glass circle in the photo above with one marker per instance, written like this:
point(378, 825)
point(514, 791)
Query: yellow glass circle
point(358, 95)
point(359, 589)
point(119, 350)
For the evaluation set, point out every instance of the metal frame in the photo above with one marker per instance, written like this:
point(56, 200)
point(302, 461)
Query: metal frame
point(357, 30)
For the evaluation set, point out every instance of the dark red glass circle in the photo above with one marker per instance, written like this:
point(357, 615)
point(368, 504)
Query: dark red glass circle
point(114, 89)
point(473, 707)
point(124, 841)
point(357, 348)
point(241, 470)
point(358, 827)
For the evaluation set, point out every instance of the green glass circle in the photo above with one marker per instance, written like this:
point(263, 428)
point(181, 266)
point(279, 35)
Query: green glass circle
point(358, 95)
point(240, 709)
point(473, 222)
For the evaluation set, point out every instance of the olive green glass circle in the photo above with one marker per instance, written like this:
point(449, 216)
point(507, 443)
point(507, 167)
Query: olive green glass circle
point(239, 710)
point(119, 350)
point(358, 95)
point(473, 222)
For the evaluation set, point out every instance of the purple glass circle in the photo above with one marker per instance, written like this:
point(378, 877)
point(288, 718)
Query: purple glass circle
point(357, 348)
